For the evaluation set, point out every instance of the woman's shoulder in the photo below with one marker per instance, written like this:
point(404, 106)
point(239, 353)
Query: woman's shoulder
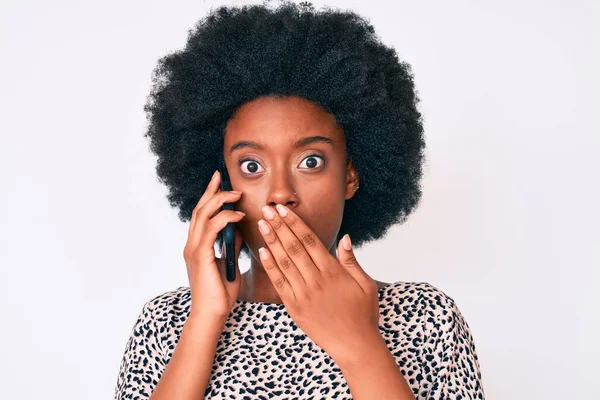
point(402, 291)
point(416, 302)
point(181, 294)
point(420, 317)
point(406, 307)
point(165, 306)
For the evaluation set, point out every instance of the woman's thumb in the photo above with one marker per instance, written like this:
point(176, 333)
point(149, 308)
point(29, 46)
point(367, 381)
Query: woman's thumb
point(345, 252)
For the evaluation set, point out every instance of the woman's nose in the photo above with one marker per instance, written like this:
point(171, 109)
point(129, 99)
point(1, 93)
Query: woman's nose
point(282, 192)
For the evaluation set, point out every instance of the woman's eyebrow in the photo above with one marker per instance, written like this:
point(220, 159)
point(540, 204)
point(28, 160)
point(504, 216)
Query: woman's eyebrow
point(299, 143)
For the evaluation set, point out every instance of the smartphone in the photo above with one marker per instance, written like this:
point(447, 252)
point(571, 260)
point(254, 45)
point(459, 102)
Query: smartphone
point(228, 233)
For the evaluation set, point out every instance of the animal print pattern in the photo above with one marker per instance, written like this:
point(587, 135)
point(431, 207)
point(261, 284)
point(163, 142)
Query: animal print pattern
point(263, 354)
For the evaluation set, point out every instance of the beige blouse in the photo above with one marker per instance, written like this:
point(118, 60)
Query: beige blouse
point(262, 354)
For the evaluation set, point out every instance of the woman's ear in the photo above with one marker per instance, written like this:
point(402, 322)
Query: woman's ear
point(352, 180)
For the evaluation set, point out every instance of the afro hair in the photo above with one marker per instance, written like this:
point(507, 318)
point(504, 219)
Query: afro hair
point(330, 57)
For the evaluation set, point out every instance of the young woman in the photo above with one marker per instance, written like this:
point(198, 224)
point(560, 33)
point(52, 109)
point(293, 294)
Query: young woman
point(319, 128)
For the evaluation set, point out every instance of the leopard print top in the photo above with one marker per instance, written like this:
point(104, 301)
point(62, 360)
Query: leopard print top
point(262, 354)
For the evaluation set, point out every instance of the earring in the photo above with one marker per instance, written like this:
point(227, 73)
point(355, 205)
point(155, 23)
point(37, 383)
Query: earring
point(356, 188)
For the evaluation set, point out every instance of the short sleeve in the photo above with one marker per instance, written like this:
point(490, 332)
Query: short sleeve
point(143, 363)
point(453, 357)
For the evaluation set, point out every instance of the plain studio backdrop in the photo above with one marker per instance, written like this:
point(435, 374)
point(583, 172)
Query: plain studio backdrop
point(507, 226)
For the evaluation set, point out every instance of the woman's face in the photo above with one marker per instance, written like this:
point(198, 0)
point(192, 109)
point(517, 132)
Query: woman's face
point(288, 151)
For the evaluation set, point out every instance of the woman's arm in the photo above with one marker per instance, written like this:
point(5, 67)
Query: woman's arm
point(374, 374)
point(143, 360)
point(144, 372)
point(188, 372)
point(457, 364)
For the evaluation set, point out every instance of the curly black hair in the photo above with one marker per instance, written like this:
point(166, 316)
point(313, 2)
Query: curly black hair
point(330, 57)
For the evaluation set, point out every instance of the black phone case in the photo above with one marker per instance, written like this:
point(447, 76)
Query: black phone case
point(228, 233)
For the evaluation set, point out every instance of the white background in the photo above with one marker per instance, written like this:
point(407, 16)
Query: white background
point(507, 227)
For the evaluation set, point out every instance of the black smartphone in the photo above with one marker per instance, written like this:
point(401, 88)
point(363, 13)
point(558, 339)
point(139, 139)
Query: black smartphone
point(228, 233)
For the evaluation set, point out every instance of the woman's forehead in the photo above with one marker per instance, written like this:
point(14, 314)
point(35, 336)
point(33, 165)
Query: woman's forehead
point(290, 122)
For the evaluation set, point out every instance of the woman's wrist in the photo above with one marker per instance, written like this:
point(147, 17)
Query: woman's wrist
point(204, 324)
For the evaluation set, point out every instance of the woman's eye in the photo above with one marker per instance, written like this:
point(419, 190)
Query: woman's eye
point(312, 161)
point(253, 166)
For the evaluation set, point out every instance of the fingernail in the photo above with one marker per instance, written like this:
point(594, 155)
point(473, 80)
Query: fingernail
point(262, 253)
point(268, 212)
point(235, 191)
point(214, 175)
point(264, 227)
point(346, 242)
point(281, 210)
